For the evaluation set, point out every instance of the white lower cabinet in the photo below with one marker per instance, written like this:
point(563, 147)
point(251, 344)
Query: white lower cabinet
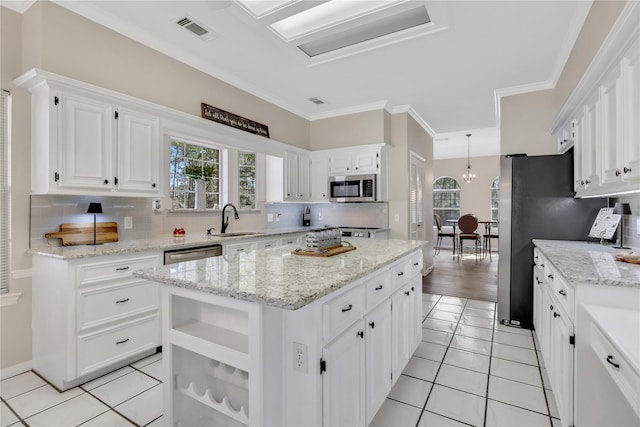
point(91, 316)
point(231, 362)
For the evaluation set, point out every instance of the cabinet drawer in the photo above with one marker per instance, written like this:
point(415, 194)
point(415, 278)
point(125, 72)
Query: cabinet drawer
point(564, 294)
point(291, 240)
point(109, 303)
point(238, 248)
point(108, 346)
point(91, 273)
point(400, 274)
point(621, 370)
point(415, 263)
point(378, 288)
point(267, 244)
point(342, 311)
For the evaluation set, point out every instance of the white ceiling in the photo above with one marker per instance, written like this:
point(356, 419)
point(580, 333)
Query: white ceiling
point(448, 78)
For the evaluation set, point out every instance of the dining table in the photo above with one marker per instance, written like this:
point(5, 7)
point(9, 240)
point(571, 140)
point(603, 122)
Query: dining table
point(487, 226)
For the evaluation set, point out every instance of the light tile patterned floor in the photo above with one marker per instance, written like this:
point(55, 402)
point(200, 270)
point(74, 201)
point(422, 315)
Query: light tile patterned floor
point(466, 371)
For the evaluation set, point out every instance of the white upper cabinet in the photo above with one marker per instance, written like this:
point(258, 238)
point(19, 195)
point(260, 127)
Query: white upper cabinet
point(297, 177)
point(601, 117)
point(87, 141)
point(631, 121)
point(354, 162)
point(319, 178)
point(138, 150)
point(85, 150)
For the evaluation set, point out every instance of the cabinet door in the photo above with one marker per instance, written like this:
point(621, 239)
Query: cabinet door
point(415, 317)
point(400, 334)
point(378, 357)
point(304, 177)
point(319, 179)
point(86, 149)
point(590, 157)
point(138, 149)
point(546, 312)
point(631, 94)
point(290, 176)
point(343, 382)
point(537, 302)
point(340, 164)
point(560, 365)
point(610, 124)
point(365, 161)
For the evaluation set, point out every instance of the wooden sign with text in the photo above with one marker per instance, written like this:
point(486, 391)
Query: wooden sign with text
point(233, 120)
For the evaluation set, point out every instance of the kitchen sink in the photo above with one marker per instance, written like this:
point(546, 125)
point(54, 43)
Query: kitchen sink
point(236, 234)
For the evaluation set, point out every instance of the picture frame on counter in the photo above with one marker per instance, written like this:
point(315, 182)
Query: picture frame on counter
point(218, 115)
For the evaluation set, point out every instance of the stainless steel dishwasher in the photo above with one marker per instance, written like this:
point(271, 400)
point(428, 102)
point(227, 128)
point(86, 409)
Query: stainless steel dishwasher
point(174, 256)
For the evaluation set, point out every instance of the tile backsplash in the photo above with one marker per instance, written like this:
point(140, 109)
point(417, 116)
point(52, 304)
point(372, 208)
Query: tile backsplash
point(49, 211)
point(630, 227)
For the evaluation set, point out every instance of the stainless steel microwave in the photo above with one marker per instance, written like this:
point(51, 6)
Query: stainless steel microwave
point(352, 188)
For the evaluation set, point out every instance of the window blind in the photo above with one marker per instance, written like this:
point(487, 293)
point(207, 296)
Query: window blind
point(5, 187)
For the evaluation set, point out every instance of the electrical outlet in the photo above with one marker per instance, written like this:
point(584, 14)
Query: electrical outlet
point(128, 222)
point(300, 357)
point(320, 216)
point(396, 217)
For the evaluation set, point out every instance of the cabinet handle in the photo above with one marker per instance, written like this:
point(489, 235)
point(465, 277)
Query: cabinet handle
point(372, 324)
point(618, 173)
point(587, 182)
point(106, 181)
point(550, 276)
point(122, 342)
point(562, 292)
point(348, 308)
point(555, 314)
point(240, 250)
point(267, 246)
point(415, 264)
point(401, 273)
point(121, 268)
point(626, 169)
point(542, 265)
point(378, 287)
point(407, 293)
point(122, 301)
point(153, 185)
point(610, 361)
point(361, 334)
point(551, 307)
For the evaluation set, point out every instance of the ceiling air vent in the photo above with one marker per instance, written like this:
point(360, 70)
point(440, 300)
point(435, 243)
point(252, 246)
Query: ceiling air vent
point(316, 100)
point(401, 21)
point(196, 28)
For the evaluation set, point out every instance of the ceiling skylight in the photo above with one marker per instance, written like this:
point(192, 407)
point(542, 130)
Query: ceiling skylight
point(327, 15)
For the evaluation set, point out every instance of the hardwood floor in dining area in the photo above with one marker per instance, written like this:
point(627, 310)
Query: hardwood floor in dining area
point(464, 279)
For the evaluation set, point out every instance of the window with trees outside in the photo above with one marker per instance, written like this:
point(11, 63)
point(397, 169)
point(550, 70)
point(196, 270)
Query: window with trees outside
point(247, 181)
point(446, 198)
point(495, 198)
point(194, 176)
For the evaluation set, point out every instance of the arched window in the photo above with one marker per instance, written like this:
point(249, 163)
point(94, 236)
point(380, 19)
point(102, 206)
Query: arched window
point(495, 198)
point(446, 198)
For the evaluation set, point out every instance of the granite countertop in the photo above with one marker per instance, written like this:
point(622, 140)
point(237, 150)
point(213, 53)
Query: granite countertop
point(589, 263)
point(278, 278)
point(161, 242)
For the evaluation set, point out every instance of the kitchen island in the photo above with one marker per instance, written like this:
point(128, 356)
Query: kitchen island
point(273, 338)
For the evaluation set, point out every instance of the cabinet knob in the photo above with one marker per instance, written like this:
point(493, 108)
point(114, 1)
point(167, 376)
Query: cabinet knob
point(347, 168)
point(587, 182)
point(356, 168)
point(153, 185)
point(550, 276)
point(372, 324)
point(618, 173)
point(106, 181)
point(611, 362)
point(407, 293)
point(555, 314)
point(551, 307)
point(361, 334)
point(582, 183)
point(542, 265)
point(626, 169)
point(415, 264)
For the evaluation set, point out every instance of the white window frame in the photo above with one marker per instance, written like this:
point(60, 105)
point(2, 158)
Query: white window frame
point(5, 192)
point(255, 177)
point(494, 187)
point(435, 191)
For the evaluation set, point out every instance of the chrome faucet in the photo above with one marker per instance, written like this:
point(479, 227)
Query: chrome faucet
point(225, 224)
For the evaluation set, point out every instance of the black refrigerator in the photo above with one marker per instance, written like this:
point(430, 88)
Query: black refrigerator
point(536, 202)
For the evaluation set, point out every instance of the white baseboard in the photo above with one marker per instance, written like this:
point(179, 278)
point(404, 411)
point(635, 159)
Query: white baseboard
point(14, 370)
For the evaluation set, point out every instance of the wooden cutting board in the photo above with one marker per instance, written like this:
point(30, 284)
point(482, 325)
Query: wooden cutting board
point(82, 233)
point(327, 252)
point(631, 257)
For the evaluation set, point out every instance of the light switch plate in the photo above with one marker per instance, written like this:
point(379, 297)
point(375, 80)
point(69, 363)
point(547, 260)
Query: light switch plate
point(128, 222)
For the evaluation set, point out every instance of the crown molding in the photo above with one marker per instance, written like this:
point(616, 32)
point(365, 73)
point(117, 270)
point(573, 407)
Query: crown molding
point(20, 6)
point(363, 108)
point(518, 90)
point(407, 108)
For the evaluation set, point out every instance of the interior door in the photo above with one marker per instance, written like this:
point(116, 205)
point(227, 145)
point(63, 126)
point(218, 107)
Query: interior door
point(416, 206)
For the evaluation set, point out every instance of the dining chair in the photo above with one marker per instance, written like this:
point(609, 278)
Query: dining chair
point(441, 234)
point(468, 224)
point(486, 240)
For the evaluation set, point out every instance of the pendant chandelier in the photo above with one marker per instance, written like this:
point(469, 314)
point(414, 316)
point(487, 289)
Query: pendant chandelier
point(468, 176)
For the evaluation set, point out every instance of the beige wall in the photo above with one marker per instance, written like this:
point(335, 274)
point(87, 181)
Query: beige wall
point(352, 129)
point(525, 120)
point(81, 49)
point(15, 320)
point(475, 197)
